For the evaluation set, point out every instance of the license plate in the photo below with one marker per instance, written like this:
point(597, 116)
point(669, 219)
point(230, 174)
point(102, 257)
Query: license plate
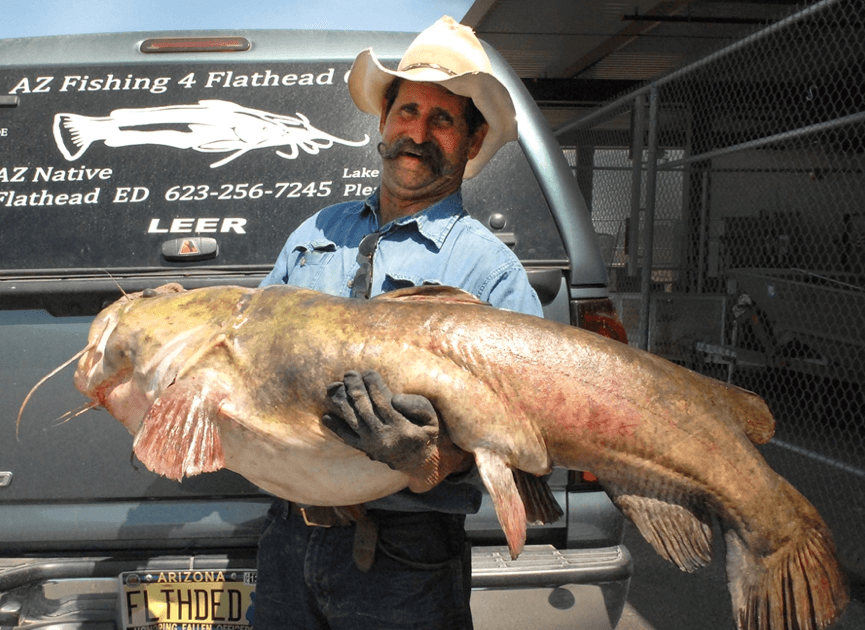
point(187, 600)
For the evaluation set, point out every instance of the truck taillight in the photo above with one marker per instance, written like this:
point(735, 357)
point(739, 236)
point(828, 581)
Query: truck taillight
point(581, 480)
point(598, 316)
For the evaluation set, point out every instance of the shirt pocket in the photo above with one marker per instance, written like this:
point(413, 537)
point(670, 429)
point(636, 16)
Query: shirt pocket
point(393, 281)
point(310, 260)
point(314, 253)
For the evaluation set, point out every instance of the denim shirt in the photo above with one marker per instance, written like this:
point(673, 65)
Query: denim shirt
point(442, 245)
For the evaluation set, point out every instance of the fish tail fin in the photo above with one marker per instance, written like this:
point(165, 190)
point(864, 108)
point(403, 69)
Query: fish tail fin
point(679, 533)
point(799, 585)
point(73, 134)
point(511, 512)
point(178, 437)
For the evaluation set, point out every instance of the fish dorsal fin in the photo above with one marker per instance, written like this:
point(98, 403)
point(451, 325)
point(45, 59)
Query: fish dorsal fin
point(743, 409)
point(499, 481)
point(541, 506)
point(681, 534)
point(755, 419)
point(178, 437)
point(432, 293)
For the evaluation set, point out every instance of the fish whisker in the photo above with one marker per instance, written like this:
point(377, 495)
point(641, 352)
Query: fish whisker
point(74, 413)
point(117, 284)
point(77, 356)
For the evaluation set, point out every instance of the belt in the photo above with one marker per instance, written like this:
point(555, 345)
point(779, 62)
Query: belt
point(365, 533)
point(366, 524)
point(317, 516)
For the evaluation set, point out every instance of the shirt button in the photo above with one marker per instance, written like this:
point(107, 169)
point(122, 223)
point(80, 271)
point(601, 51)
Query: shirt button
point(350, 284)
point(303, 261)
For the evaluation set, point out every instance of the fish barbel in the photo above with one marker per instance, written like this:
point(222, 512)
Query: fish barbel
point(236, 378)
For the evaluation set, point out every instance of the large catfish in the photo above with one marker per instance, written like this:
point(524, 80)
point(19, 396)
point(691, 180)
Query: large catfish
point(236, 378)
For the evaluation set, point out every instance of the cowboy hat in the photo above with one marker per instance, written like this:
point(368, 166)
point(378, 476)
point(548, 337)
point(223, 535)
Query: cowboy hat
point(449, 54)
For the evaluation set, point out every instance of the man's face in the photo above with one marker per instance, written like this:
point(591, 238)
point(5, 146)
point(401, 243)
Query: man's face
point(426, 142)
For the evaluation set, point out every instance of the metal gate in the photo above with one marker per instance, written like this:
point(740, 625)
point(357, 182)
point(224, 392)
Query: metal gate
point(729, 200)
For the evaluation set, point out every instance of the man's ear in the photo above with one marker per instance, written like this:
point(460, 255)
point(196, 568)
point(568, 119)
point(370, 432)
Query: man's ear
point(477, 141)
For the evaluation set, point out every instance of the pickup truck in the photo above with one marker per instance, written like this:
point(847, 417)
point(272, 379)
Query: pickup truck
point(131, 160)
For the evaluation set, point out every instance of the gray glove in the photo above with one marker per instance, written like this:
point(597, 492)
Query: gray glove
point(399, 430)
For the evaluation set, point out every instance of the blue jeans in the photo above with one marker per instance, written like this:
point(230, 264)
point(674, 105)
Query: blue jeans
point(420, 579)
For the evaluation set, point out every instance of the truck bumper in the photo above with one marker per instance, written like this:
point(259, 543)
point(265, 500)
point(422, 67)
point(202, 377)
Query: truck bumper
point(549, 588)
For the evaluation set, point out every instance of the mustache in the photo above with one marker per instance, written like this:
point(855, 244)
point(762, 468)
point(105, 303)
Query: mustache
point(429, 153)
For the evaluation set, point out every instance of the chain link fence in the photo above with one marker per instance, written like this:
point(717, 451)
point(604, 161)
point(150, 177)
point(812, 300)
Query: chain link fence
point(729, 200)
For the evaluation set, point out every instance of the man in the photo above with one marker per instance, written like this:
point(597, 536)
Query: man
point(400, 562)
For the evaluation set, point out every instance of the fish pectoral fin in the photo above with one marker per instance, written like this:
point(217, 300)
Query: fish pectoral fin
point(431, 293)
point(179, 437)
point(220, 146)
point(681, 534)
point(444, 458)
point(499, 481)
point(541, 506)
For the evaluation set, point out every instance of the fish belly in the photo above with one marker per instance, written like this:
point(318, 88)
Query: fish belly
point(306, 467)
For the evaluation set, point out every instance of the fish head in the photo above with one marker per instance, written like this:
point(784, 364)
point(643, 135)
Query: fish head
point(105, 370)
point(257, 130)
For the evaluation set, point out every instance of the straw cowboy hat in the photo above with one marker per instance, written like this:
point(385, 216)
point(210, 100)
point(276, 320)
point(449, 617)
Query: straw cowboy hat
point(449, 54)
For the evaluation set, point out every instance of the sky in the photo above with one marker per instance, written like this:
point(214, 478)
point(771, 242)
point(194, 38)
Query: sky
point(27, 18)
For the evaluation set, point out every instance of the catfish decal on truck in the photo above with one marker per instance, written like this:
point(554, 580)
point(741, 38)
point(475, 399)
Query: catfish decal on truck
point(210, 126)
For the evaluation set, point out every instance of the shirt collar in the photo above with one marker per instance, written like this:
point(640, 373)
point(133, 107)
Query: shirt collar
point(433, 223)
